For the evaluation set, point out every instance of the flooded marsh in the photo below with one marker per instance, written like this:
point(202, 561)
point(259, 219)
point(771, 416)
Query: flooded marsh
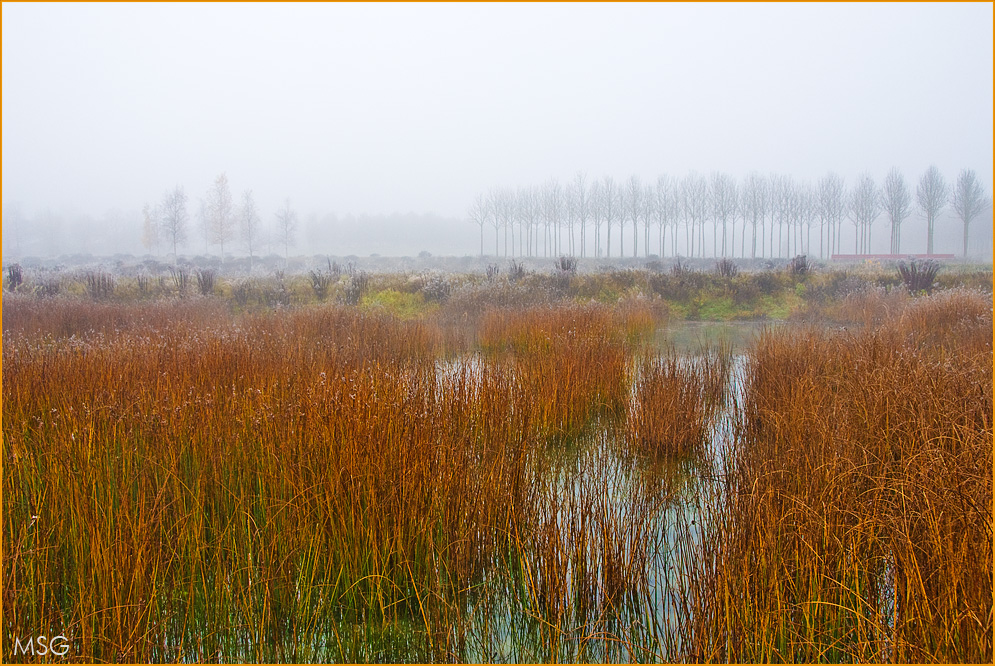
point(556, 483)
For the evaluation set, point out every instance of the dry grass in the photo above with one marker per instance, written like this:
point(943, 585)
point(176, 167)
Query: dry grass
point(859, 523)
point(170, 481)
point(570, 363)
point(185, 483)
point(675, 401)
point(181, 482)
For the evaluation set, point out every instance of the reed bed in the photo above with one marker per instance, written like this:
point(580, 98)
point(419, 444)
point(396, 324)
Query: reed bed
point(239, 482)
point(337, 484)
point(858, 518)
point(571, 363)
point(184, 483)
point(675, 400)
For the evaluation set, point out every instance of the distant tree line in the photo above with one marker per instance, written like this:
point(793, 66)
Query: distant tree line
point(758, 216)
point(222, 221)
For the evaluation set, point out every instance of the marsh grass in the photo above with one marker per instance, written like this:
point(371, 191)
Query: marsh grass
point(676, 398)
point(570, 363)
point(859, 517)
point(184, 482)
point(187, 483)
point(197, 481)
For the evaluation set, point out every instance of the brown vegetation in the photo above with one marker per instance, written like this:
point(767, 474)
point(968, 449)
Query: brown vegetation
point(338, 483)
point(860, 523)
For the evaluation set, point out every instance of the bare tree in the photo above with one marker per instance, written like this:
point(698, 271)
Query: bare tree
point(612, 207)
point(756, 201)
point(519, 203)
point(552, 211)
point(480, 214)
point(173, 218)
point(493, 204)
point(792, 203)
point(286, 227)
point(781, 193)
point(831, 206)
point(570, 216)
point(682, 218)
point(535, 217)
point(664, 211)
point(596, 205)
point(897, 203)
point(528, 205)
point(648, 212)
point(931, 195)
point(248, 222)
point(218, 213)
point(805, 214)
point(723, 198)
point(504, 207)
point(150, 228)
point(580, 201)
point(969, 200)
point(694, 202)
point(863, 208)
point(633, 211)
point(795, 200)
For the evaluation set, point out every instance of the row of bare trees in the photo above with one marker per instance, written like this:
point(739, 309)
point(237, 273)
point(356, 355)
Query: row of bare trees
point(759, 216)
point(222, 221)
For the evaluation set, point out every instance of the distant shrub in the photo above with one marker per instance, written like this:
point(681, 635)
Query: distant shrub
point(516, 271)
point(567, 265)
point(15, 277)
point(622, 279)
point(241, 291)
point(49, 287)
point(205, 281)
point(99, 285)
point(842, 284)
point(726, 268)
point(181, 279)
point(767, 281)
point(743, 290)
point(680, 269)
point(319, 283)
point(799, 265)
point(359, 281)
point(919, 276)
point(654, 265)
point(437, 288)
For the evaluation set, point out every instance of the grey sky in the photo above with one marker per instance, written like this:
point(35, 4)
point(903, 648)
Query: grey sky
point(397, 107)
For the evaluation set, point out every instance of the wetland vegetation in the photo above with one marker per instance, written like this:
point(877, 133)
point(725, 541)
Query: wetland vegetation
point(520, 466)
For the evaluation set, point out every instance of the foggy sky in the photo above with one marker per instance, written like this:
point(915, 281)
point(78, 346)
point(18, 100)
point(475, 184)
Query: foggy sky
point(418, 107)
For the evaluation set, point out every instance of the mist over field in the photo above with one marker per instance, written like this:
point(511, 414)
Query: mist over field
point(374, 129)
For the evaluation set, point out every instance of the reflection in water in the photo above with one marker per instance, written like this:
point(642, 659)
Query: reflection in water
point(687, 337)
point(615, 557)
